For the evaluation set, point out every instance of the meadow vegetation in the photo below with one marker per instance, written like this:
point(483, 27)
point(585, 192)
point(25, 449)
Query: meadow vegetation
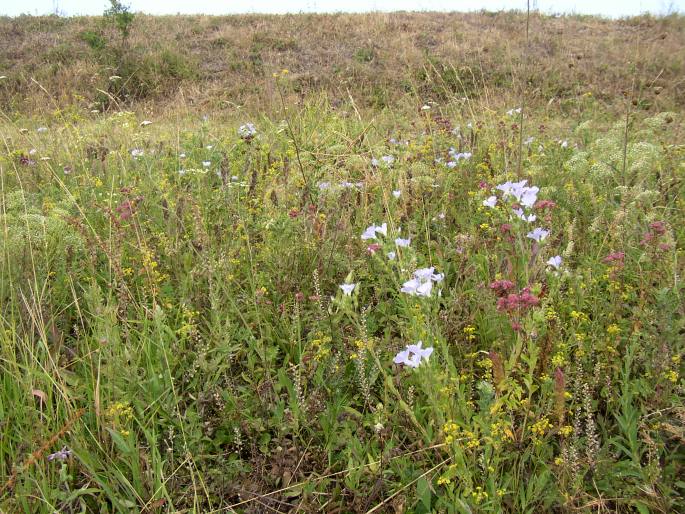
point(404, 263)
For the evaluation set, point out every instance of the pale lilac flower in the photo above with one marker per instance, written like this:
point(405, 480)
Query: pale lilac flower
point(396, 193)
point(529, 196)
point(402, 243)
point(391, 256)
point(426, 108)
point(563, 144)
point(372, 230)
point(62, 454)
point(33, 151)
point(347, 288)
point(388, 159)
point(137, 152)
point(511, 112)
point(529, 140)
point(369, 233)
point(555, 261)
point(247, 131)
point(456, 156)
point(512, 188)
point(206, 164)
point(530, 218)
point(181, 156)
point(422, 282)
point(347, 185)
point(413, 355)
point(375, 162)
point(324, 185)
point(415, 287)
point(490, 202)
point(539, 234)
point(438, 277)
point(41, 129)
point(424, 273)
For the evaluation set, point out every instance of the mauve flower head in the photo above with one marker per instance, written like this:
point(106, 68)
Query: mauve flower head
point(500, 287)
point(647, 238)
point(614, 258)
point(545, 204)
point(659, 227)
point(518, 302)
point(373, 248)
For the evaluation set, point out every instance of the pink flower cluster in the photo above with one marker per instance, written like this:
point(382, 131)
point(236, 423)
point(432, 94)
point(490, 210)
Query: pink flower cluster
point(500, 287)
point(545, 204)
point(615, 259)
point(656, 230)
point(514, 302)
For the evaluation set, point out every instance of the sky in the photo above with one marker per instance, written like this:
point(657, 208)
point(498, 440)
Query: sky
point(610, 8)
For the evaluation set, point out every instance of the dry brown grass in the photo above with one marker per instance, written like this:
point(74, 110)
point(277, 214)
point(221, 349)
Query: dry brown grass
point(379, 59)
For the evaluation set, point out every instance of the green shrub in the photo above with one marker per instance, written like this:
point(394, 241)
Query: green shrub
point(95, 40)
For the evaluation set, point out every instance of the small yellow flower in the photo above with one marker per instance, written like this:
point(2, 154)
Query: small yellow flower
point(566, 430)
point(613, 329)
point(541, 427)
point(671, 375)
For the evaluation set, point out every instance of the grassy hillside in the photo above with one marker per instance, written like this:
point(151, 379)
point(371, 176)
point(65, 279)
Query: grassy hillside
point(214, 63)
point(429, 268)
